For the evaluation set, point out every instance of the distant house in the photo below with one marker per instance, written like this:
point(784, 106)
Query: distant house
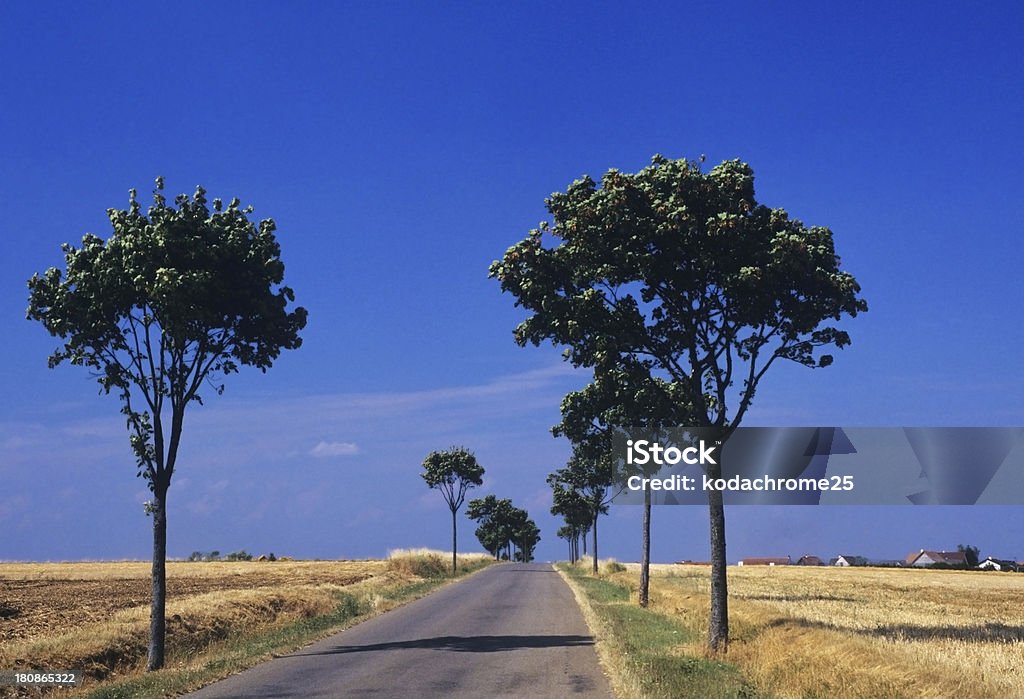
point(809, 560)
point(846, 561)
point(766, 561)
point(923, 558)
point(999, 564)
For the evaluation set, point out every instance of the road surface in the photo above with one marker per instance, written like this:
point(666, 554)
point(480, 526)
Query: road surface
point(511, 630)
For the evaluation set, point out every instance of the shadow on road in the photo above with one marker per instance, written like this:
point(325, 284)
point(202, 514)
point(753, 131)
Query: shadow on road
point(464, 644)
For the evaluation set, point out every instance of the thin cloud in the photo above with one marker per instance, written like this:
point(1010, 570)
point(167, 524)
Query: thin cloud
point(325, 450)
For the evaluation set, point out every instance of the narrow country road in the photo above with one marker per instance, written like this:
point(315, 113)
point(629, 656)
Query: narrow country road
point(512, 630)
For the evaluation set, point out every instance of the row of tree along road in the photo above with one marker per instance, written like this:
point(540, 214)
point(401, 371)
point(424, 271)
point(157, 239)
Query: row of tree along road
point(673, 285)
point(503, 528)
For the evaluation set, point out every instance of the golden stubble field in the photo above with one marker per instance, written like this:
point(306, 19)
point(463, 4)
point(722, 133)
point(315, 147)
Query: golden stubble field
point(39, 600)
point(861, 632)
point(95, 616)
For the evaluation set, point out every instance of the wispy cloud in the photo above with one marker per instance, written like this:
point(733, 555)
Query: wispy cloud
point(324, 450)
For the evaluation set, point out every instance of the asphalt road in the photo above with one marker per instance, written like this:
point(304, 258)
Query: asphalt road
point(511, 630)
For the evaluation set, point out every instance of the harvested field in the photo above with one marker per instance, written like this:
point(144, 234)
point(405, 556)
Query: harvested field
point(95, 616)
point(866, 632)
point(39, 599)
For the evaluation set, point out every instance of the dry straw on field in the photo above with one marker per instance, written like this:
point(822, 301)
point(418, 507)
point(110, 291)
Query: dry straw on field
point(866, 632)
point(95, 616)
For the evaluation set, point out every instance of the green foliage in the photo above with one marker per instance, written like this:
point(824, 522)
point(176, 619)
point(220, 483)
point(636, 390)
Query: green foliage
point(679, 290)
point(196, 556)
point(502, 526)
point(971, 553)
point(176, 297)
point(581, 491)
point(453, 472)
point(242, 555)
point(681, 283)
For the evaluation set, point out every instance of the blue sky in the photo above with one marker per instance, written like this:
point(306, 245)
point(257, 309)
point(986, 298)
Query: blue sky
point(401, 147)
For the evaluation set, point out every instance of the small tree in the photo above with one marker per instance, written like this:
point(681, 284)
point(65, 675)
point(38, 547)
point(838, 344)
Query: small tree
point(491, 532)
point(623, 396)
point(453, 472)
point(504, 526)
point(571, 537)
point(174, 299)
point(526, 537)
point(588, 478)
point(574, 509)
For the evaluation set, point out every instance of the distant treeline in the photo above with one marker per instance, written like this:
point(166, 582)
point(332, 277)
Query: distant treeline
point(241, 555)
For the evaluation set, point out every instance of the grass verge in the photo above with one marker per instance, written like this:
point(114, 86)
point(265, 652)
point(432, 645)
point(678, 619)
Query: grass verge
point(642, 649)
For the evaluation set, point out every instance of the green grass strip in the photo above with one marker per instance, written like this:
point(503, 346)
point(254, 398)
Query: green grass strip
point(643, 647)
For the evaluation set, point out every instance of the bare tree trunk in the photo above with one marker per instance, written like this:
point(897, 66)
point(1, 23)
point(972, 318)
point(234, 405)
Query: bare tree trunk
point(718, 627)
point(596, 515)
point(157, 622)
point(645, 552)
point(455, 559)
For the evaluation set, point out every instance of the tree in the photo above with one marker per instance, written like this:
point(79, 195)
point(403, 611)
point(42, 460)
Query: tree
point(683, 276)
point(971, 554)
point(177, 298)
point(587, 477)
point(574, 509)
point(504, 526)
point(489, 512)
point(621, 398)
point(571, 536)
point(453, 472)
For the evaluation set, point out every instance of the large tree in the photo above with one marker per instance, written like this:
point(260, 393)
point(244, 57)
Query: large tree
point(682, 274)
point(453, 472)
point(174, 300)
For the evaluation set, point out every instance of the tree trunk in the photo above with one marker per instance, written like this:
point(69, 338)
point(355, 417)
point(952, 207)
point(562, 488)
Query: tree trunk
point(455, 559)
point(645, 552)
point(718, 627)
point(596, 515)
point(157, 623)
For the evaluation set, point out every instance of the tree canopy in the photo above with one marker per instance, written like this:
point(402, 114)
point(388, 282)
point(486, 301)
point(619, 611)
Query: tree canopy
point(503, 526)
